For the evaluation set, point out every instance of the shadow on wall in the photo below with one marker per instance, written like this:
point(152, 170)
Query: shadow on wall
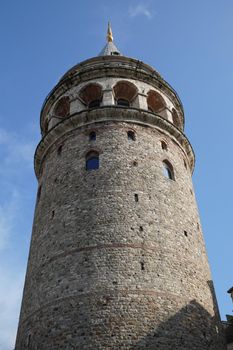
point(191, 328)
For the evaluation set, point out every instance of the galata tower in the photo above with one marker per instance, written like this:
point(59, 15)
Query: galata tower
point(117, 257)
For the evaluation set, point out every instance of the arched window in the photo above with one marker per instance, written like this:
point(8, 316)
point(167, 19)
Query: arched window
point(175, 118)
point(155, 102)
point(92, 136)
point(168, 170)
point(131, 135)
point(92, 160)
point(91, 95)
point(62, 108)
point(124, 92)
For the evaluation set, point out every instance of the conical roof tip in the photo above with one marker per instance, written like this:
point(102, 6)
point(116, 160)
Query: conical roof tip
point(110, 48)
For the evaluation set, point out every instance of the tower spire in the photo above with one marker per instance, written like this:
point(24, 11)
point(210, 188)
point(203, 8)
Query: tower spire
point(109, 33)
point(110, 48)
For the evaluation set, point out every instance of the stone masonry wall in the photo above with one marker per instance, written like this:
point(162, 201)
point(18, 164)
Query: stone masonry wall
point(106, 271)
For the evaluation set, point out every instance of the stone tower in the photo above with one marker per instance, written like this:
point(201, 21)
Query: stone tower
point(117, 258)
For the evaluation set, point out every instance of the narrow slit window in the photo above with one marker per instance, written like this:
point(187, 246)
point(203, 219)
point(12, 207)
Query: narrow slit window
point(92, 136)
point(164, 145)
point(136, 197)
point(59, 150)
point(29, 341)
point(38, 193)
point(92, 161)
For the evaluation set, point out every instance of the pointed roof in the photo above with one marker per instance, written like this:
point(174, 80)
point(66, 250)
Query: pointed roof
point(110, 48)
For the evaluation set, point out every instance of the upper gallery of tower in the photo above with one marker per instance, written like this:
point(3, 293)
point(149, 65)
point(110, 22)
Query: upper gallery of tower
point(113, 86)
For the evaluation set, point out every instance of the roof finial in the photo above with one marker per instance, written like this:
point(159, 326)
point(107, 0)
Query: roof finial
point(109, 33)
point(110, 49)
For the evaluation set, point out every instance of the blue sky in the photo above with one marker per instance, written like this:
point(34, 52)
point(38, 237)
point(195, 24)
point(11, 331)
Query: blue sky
point(189, 42)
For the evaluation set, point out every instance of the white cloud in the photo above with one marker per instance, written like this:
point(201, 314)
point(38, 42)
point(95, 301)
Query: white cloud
point(15, 149)
point(140, 10)
point(8, 215)
point(10, 296)
point(16, 159)
point(3, 136)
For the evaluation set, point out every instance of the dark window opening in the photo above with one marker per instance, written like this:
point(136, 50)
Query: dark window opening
point(115, 53)
point(135, 163)
point(92, 161)
point(185, 164)
point(131, 135)
point(136, 197)
point(59, 150)
point(92, 136)
point(29, 340)
point(186, 233)
point(164, 145)
point(46, 126)
point(141, 228)
point(142, 266)
point(38, 193)
point(93, 104)
point(122, 102)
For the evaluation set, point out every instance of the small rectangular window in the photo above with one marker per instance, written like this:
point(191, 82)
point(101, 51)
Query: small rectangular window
point(92, 160)
point(131, 135)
